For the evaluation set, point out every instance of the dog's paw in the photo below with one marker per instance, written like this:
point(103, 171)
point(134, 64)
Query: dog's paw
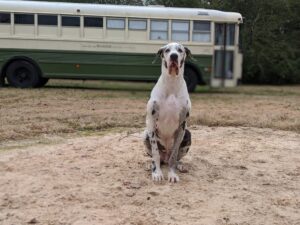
point(157, 176)
point(173, 177)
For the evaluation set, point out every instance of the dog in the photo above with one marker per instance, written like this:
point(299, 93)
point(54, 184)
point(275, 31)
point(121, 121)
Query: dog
point(166, 137)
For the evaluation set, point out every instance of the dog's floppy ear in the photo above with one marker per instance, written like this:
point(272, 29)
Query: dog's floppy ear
point(160, 52)
point(188, 52)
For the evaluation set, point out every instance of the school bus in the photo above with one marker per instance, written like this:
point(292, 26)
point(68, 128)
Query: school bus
point(44, 40)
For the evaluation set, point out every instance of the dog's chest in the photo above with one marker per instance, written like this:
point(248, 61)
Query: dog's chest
point(168, 120)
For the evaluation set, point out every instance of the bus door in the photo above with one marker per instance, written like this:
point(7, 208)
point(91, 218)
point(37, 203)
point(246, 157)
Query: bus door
point(227, 59)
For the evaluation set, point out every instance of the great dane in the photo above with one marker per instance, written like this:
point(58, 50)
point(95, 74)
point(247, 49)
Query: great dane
point(166, 138)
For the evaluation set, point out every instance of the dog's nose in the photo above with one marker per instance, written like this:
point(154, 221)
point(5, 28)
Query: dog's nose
point(173, 57)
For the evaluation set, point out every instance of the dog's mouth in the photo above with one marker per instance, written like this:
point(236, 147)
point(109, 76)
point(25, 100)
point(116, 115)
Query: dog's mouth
point(173, 68)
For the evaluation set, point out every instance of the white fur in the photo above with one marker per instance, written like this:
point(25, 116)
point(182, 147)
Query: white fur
point(171, 96)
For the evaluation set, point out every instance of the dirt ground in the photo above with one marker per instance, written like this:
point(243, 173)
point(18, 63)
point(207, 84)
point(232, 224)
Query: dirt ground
point(237, 176)
point(75, 157)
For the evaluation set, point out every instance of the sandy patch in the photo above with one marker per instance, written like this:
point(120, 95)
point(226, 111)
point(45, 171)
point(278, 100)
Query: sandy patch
point(237, 176)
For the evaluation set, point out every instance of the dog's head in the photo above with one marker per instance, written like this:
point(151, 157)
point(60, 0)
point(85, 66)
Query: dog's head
point(173, 56)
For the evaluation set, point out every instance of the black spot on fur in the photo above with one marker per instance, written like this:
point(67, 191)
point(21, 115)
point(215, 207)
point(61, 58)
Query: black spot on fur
point(156, 133)
point(153, 112)
point(187, 139)
point(160, 147)
point(153, 134)
point(147, 142)
point(188, 114)
point(165, 63)
point(153, 166)
point(183, 124)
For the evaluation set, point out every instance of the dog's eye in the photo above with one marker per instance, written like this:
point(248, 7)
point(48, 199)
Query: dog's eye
point(167, 50)
point(180, 50)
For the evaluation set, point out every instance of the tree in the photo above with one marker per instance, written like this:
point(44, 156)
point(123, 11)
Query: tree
point(115, 2)
point(271, 39)
point(175, 3)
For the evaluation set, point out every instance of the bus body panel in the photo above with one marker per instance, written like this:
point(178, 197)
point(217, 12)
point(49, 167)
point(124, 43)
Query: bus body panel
point(98, 65)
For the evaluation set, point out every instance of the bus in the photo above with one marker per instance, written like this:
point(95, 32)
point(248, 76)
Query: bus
point(44, 40)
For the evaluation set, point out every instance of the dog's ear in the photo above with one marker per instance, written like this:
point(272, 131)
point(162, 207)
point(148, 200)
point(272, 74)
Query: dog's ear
point(160, 52)
point(188, 52)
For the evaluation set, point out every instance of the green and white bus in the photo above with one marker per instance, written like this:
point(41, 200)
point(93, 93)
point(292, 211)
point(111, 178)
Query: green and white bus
point(44, 40)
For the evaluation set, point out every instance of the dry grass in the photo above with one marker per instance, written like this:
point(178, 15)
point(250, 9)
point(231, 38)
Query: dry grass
point(72, 107)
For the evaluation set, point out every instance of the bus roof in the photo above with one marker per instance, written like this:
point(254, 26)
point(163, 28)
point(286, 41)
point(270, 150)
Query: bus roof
point(119, 10)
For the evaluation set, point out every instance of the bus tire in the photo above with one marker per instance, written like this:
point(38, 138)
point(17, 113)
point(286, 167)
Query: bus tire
point(191, 78)
point(22, 74)
point(43, 81)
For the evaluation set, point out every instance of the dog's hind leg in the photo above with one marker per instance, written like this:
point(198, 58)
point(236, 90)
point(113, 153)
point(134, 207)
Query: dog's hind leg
point(183, 150)
point(152, 117)
point(178, 139)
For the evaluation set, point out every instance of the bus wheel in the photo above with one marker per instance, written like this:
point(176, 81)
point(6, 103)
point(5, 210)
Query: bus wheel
point(42, 82)
point(22, 74)
point(191, 79)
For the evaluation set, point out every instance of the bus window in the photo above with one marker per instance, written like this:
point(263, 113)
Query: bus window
point(136, 24)
point(70, 21)
point(159, 30)
point(4, 17)
point(230, 34)
point(219, 33)
point(201, 31)
point(116, 23)
point(219, 69)
point(47, 20)
point(24, 19)
point(93, 21)
point(180, 30)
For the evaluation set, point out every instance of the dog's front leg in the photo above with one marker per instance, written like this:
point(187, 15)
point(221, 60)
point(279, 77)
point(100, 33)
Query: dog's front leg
point(152, 117)
point(178, 137)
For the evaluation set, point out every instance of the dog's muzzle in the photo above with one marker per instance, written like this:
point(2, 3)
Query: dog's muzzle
point(173, 65)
